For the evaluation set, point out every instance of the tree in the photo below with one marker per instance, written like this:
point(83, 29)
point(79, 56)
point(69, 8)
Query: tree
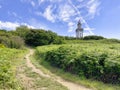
point(22, 31)
point(37, 37)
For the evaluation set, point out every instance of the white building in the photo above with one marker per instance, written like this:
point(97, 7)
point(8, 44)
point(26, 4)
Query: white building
point(79, 30)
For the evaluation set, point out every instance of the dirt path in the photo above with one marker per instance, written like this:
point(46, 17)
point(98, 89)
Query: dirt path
point(69, 85)
point(30, 65)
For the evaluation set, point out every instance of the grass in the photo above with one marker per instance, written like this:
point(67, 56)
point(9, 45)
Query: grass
point(9, 60)
point(89, 46)
point(107, 41)
point(43, 82)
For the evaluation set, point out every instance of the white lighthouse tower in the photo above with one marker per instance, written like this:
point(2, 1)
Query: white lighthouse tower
point(79, 30)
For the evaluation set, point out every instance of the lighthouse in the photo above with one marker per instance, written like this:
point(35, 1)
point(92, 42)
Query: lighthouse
point(79, 30)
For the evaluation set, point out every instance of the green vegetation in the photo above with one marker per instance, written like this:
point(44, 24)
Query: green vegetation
point(86, 60)
point(9, 59)
point(93, 37)
point(96, 64)
point(16, 40)
point(42, 37)
point(11, 41)
point(31, 37)
point(92, 61)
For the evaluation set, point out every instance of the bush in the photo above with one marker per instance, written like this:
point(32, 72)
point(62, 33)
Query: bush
point(2, 46)
point(42, 37)
point(12, 42)
point(32, 37)
point(93, 65)
point(93, 37)
point(69, 38)
point(61, 57)
point(111, 72)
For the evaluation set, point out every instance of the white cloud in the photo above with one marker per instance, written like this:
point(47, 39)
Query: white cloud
point(40, 1)
point(8, 25)
point(35, 23)
point(66, 12)
point(12, 25)
point(70, 29)
point(80, 17)
point(71, 26)
point(88, 28)
point(29, 26)
point(32, 3)
point(71, 23)
point(55, 0)
point(48, 14)
point(92, 7)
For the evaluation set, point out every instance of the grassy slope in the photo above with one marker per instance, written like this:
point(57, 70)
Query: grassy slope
point(89, 46)
point(9, 60)
point(13, 65)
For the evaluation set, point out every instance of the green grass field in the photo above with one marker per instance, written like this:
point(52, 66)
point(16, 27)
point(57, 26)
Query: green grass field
point(91, 53)
point(9, 59)
point(79, 61)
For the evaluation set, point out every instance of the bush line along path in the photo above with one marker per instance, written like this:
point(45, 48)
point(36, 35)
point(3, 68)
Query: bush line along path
point(69, 85)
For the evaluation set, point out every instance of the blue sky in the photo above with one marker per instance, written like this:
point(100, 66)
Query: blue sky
point(98, 17)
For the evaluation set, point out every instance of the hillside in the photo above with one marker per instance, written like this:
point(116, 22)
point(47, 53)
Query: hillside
point(92, 62)
point(89, 63)
point(59, 45)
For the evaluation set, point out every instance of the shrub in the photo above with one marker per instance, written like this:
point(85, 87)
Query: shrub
point(111, 72)
point(12, 41)
point(42, 37)
point(93, 65)
point(93, 37)
point(2, 46)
